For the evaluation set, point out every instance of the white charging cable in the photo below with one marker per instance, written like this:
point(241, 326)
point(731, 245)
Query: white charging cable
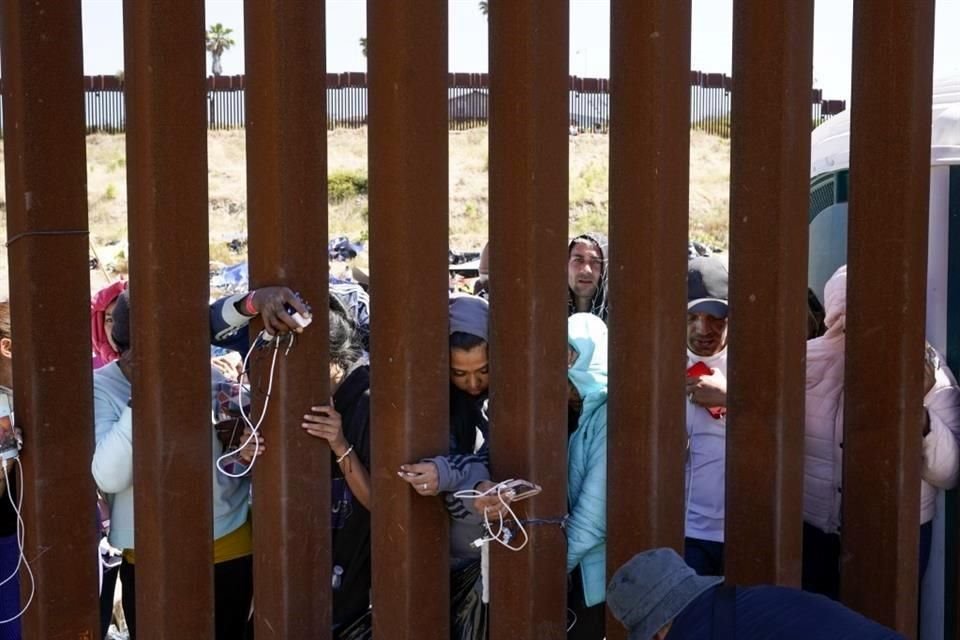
point(503, 534)
point(254, 428)
point(21, 532)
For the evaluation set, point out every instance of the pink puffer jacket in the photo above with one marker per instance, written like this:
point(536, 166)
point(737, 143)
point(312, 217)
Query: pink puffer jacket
point(823, 463)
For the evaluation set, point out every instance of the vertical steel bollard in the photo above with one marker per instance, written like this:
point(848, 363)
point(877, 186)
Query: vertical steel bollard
point(408, 147)
point(769, 201)
point(886, 300)
point(46, 200)
point(170, 335)
point(529, 42)
point(287, 213)
point(649, 201)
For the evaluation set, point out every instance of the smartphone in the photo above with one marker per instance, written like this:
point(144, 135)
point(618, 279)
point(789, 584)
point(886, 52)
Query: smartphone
point(698, 369)
point(521, 489)
point(9, 441)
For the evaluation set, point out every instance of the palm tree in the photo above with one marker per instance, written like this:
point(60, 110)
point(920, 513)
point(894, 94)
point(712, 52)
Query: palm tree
point(485, 7)
point(218, 41)
point(363, 45)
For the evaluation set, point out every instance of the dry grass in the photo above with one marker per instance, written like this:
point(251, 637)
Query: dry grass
point(709, 189)
point(347, 152)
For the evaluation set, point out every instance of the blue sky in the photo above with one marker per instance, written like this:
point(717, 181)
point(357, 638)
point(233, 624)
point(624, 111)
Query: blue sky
point(589, 37)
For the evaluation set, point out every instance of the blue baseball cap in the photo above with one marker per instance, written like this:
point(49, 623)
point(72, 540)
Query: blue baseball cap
point(707, 279)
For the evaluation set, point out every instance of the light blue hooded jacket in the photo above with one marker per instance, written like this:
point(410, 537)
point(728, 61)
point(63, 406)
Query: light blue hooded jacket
point(587, 457)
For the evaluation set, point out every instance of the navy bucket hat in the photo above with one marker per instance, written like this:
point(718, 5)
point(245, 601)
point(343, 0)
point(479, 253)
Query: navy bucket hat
point(652, 589)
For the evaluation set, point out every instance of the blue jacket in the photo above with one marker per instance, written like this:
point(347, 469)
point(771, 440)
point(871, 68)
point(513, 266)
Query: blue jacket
point(112, 464)
point(228, 327)
point(586, 525)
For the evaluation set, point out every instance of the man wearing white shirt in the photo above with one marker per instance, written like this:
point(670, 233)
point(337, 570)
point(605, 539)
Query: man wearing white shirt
point(706, 413)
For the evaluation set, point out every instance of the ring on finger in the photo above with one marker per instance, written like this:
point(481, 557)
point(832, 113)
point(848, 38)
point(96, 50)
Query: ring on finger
point(424, 486)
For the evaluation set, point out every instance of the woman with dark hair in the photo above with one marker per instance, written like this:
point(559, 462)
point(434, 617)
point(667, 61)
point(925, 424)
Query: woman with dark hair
point(467, 464)
point(345, 425)
point(469, 383)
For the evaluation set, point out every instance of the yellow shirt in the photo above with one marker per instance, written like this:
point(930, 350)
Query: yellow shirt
point(236, 544)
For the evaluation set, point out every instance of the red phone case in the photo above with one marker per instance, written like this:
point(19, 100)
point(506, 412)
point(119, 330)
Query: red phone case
point(698, 369)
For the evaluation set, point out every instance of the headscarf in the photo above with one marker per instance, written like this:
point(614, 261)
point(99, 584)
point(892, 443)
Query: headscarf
point(587, 334)
point(103, 351)
point(470, 314)
point(598, 304)
point(835, 302)
point(121, 322)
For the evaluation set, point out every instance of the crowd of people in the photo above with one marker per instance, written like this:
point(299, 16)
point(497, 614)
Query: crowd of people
point(460, 475)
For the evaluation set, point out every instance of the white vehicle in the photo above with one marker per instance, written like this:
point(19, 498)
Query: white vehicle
point(829, 180)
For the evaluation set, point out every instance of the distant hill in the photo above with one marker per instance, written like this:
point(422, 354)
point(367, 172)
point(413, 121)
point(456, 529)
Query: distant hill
point(106, 167)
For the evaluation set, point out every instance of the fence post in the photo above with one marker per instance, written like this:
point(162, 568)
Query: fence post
point(46, 199)
point(167, 172)
point(410, 341)
point(886, 307)
point(287, 214)
point(649, 201)
point(769, 200)
point(529, 51)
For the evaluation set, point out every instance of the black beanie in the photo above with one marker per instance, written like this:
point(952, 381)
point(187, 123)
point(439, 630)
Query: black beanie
point(121, 322)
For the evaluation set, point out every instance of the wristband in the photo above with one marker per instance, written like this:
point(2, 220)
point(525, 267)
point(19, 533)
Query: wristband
point(345, 454)
point(248, 304)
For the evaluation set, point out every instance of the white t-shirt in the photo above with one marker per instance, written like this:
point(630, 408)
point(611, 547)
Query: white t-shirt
point(706, 459)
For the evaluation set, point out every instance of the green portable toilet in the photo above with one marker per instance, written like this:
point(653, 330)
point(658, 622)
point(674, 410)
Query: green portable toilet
point(829, 181)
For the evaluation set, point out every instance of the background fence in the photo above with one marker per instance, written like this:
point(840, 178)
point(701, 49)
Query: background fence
point(589, 100)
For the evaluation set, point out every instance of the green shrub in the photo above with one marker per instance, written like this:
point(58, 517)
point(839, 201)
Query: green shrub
point(589, 187)
point(343, 185)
